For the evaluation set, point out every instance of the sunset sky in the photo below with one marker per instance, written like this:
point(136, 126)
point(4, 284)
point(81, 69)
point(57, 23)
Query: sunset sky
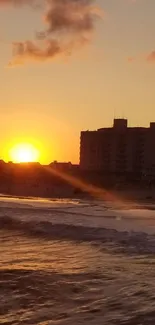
point(48, 101)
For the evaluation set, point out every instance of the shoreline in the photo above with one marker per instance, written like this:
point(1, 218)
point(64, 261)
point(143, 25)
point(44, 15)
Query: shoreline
point(132, 196)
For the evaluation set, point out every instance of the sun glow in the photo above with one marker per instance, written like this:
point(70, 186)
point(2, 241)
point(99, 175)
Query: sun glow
point(24, 152)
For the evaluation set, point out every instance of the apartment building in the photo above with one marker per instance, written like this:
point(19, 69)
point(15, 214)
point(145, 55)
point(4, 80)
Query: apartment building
point(119, 149)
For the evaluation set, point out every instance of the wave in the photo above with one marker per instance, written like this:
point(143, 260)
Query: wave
point(117, 241)
point(98, 213)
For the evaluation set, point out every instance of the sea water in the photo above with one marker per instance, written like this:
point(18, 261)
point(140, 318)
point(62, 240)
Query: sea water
point(77, 262)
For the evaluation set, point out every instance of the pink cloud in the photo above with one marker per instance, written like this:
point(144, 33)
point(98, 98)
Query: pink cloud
point(131, 59)
point(151, 57)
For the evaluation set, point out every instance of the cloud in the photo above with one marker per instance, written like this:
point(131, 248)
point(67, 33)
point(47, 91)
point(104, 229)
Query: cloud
point(151, 57)
point(131, 59)
point(69, 15)
point(68, 25)
point(23, 51)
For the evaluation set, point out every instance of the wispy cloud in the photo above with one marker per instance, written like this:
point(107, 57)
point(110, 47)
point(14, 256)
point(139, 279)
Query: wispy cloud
point(151, 57)
point(147, 58)
point(131, 59)
point(68, 25)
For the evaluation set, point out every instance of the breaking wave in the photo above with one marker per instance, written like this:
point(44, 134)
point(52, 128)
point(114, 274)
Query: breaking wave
point(120, 241)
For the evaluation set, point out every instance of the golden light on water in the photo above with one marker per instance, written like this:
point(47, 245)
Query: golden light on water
point(24, 152)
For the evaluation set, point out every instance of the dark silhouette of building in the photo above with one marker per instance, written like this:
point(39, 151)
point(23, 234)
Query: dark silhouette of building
point(119, 149)
point(61, 166)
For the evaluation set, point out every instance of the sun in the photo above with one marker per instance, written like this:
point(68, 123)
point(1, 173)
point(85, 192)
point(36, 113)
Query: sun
point(24, 152)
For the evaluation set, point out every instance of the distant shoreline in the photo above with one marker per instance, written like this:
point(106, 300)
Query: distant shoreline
point(140, 197)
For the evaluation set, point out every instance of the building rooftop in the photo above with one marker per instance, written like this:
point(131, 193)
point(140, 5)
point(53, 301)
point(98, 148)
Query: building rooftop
point(122, 124)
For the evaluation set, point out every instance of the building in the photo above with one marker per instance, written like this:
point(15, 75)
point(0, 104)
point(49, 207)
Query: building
point(64, 166)
point(61, 166)
point(119, 149)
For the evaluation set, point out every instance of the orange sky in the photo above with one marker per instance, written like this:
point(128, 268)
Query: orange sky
point(48, 102)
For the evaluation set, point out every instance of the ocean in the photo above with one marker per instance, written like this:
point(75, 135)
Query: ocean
point(70, 262)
